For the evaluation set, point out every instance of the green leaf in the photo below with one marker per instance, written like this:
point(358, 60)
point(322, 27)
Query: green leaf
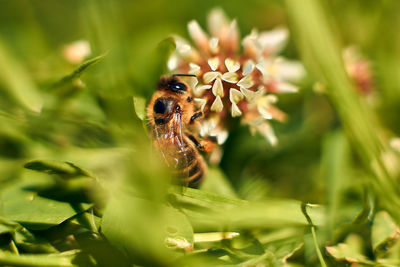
point(212, 212)
point(385, 233)
point(22, 203)
point(350, 251)
point(64, 169)
point(139, 104)
point(18, 82)
point(79, 71)
point(217, 182)
point(145, 230)
point(62, 259)
point(162, 54)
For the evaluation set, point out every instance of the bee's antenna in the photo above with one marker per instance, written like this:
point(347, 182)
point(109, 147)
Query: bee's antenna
point(185, 75)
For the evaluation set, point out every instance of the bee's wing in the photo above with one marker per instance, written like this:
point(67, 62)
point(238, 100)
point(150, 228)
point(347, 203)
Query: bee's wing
point(182, 169)
point(173, 148)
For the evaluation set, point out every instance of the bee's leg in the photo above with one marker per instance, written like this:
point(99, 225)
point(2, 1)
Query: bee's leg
point(206, 144)
point(195, 116)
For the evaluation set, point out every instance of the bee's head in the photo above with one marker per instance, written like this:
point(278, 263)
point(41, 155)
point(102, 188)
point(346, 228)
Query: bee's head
point(164, 109)
point(173, 83)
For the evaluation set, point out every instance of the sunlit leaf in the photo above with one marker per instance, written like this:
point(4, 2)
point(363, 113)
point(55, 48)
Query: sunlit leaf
point(21, 203)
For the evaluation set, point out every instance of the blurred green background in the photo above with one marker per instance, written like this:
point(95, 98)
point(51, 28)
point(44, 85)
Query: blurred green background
point(90, 123)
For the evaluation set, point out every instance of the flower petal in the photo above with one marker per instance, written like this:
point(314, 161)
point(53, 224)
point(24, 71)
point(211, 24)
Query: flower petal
point(213, 63)
point(248, 67)
point(192, 82)
point(290, 70)
point(199, 90)
point(266, 130)
point(264, 106)
point(214, 45)
point(273, 41)
point(232, 65)
point(235, 95)
point(230, 77)
point(246, 82)
point(222, 135)
point(185, 50)
point(198, 35)
point(208, 77)
point(200, 103)
point(172, 63)
point(194, 69)
point(251, 46)
point(218, 23)
point(235, 110)
point(217, 105)
point(248, 94)
point(233, 37)
point(218, 89)
point(286, 87)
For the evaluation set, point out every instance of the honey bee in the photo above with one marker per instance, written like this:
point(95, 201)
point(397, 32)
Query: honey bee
point(171, 112)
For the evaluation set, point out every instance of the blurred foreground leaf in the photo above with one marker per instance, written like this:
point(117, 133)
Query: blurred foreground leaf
point(212, 212)
point(144, 230)
point(18, 82)
point(61, 259)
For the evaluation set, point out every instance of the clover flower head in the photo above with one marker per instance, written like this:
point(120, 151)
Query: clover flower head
point(236, 78)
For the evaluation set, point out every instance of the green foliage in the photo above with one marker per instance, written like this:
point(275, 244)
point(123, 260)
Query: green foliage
point(80, 184)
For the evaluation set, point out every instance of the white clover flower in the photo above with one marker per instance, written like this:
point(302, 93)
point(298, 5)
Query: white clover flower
point(240, 84)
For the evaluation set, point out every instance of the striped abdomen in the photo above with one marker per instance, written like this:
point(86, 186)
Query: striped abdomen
point(191, 167)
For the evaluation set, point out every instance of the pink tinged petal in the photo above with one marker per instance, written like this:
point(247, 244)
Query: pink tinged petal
point(194, 69)
point(217, 105)
point(290, 70)
point(230, 77)
point(251, 47)
point(264, 104)
point(248, 67)
point(267, 67)
point(198, 35)
point(214, 45)
point(266, 130)
point(218, 23)
point(185, 50)
point(213, 63)
point(235, 95)
point(200, 103)
point(286, 87)
point(264, 112)
point(208, 77)
point(246, 82)
point(235, 111)
point(248, 94)
point(232, 65)
point(218, 89)
point(233, 37)
point(273, 41)
point(199, 90)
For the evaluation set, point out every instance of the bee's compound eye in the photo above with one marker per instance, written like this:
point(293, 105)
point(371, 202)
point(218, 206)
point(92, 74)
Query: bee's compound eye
point(176, 87)
point(159, 107)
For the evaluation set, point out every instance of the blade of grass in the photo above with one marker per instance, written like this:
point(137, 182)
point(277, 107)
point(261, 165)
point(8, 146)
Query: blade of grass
point(321, 51)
